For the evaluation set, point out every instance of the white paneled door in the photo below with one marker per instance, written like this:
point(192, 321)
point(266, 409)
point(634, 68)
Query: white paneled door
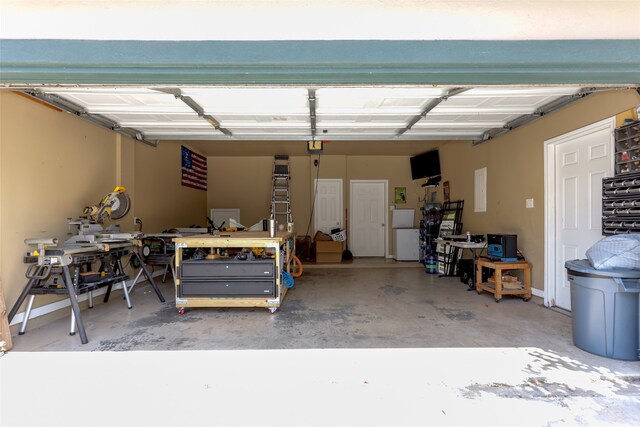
point(582, 159)
point(328, 205)
point(367, 219)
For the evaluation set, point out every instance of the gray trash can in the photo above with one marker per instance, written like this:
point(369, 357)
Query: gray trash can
point(605, 310)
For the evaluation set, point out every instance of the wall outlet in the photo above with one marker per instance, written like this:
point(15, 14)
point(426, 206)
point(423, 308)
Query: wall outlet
point(136, 220)
point(529, 203)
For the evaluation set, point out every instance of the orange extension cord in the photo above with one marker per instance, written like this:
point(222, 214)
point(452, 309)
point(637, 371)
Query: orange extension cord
point(299, 272)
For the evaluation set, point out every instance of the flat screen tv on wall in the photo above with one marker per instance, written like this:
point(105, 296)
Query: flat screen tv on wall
point(425, 165)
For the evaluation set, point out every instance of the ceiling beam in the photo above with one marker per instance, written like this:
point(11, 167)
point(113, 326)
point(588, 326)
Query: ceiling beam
point(430, 106)
point(312, 111)
point(97, 119)
point(552, 106)
point(196, 108)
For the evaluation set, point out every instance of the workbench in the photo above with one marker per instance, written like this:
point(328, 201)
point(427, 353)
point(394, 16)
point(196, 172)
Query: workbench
point(58, 270)
point(228, 281)
point(498, 290)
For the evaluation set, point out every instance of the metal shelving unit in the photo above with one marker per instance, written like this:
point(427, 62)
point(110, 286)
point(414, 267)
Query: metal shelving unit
point(429, 228)
point(450, 225)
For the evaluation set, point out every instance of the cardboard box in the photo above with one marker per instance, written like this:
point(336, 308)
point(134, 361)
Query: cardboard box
point(320, 236)
point(508, 282)
point(329, 251)
point(5, 332)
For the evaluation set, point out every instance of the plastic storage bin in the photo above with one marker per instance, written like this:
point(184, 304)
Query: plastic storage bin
point(605, 310)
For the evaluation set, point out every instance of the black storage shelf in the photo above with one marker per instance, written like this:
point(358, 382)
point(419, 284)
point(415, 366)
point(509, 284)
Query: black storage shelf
point(447, 254)
point(429, 228)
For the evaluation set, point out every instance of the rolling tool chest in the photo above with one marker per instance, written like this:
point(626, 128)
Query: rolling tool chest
point(208, 281)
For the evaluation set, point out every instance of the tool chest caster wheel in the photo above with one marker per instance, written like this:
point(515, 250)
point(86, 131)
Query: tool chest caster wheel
point(181, 311)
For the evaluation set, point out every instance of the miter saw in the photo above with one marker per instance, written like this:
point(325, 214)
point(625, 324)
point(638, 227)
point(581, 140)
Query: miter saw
point(113, 206)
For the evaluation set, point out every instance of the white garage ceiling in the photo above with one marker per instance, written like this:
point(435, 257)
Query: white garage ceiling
point(296, 113)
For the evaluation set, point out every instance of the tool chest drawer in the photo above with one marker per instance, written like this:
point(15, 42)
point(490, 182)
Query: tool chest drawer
point(210, 288)
point(227, 269)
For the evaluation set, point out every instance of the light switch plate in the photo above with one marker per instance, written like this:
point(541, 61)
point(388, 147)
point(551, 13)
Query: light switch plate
point(529, 203)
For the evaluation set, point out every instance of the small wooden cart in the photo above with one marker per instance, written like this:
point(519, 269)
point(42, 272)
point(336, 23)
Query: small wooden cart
point(226, 282)
point(498, 290)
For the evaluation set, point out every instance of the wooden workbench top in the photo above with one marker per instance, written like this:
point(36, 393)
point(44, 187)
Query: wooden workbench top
point(240, 238)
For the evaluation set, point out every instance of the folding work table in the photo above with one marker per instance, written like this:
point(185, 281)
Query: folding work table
point(58, 270)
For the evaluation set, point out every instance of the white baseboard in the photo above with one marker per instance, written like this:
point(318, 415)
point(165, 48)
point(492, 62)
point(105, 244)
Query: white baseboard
point(537, 292)
point(58, 305)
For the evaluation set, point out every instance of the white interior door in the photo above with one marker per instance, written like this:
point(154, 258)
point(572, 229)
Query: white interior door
point(328, 205)
point(368, 218)
point(581, 160)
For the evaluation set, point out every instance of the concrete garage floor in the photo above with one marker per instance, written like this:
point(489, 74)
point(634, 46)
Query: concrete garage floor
point(372, 344)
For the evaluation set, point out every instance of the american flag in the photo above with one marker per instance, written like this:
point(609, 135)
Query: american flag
point(194, 169)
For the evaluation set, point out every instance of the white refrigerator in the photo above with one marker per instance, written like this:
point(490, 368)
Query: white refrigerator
point(406, 239)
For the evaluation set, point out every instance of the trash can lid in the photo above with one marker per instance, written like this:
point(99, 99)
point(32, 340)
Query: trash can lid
point(584, 266)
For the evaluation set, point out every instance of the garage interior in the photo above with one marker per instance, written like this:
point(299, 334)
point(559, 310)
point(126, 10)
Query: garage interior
point(378, 340)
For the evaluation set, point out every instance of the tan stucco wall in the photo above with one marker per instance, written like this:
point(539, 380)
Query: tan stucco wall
point(515, 169)
point(161, 200)
point(245, 183)
point(52, 164)
point(515, 172)
point(240, 182)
